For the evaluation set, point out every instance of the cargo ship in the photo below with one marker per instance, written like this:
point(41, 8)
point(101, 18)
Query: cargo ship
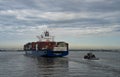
point(46, 47)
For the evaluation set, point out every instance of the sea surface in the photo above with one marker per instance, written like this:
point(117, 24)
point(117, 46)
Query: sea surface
point(16, 64)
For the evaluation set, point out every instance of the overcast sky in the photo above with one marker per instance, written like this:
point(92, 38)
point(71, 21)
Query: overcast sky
point(81, 23)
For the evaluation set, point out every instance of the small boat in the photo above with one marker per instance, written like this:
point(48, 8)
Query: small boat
point(90, 56)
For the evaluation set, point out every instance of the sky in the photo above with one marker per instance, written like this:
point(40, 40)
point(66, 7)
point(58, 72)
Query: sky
point(84, 24)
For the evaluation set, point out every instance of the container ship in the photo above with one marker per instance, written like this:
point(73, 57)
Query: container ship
point(46, 46)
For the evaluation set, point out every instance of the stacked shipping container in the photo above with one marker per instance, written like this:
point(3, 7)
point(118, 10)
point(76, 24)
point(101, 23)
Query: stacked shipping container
point(44, 45)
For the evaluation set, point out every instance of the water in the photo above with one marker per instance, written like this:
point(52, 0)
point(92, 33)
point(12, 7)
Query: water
point(15, 64)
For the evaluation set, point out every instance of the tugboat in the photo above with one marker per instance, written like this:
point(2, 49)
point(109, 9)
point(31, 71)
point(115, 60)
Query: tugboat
point(46, 46)
point(90, 56)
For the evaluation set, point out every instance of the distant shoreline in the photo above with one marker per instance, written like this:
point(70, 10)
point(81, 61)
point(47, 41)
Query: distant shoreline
point(93, 50)
point(96, 50)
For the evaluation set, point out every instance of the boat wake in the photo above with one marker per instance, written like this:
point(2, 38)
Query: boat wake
point(97, 65)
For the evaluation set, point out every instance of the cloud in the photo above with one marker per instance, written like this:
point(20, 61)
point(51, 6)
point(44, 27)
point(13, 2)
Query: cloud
point(57, 12)
point(31, 15)
point(86, 31)
point(17, 29)
point(30, 31)
point(87, 13)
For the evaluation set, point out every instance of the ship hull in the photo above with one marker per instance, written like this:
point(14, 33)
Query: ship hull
point(46, 53)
